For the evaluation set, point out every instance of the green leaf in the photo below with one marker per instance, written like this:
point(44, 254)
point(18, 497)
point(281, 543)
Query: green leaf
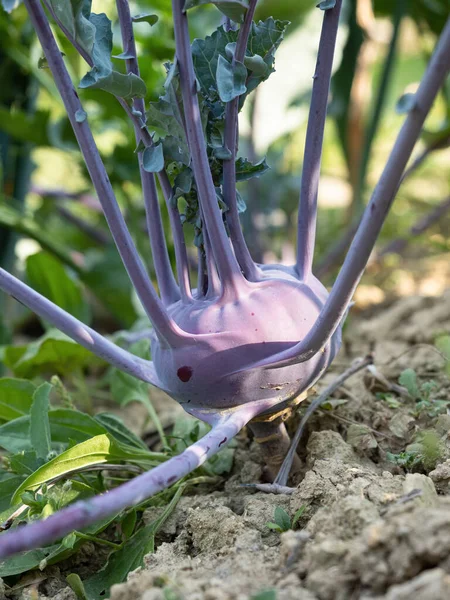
point(166, 116)
point(153, 158)
point(74, 17)
point(119, 431)
point(264, 39)
point(274, 526)
point(246, 170)
point(257, 65)
point(230, 79)
point(48, 276)
point(77, 586)
point(65, 425)
point(25, 462)
point(129, 557)
point(53, 352)
point(326, 4)
point(102, 76)
point(16, 398)
point(408, 379)
point(298, 514)
point(233, 9)
point(10, 5)
point(26, 127)
point(80, 116)
point(39, 422)
point(8, 485)
point(265, 595)
point(26, 561)
point(145, 18)
point(282, 519)
point(405, 104)
point(98, 450)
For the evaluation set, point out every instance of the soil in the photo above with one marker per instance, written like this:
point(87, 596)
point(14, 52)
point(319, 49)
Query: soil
point(370, 529)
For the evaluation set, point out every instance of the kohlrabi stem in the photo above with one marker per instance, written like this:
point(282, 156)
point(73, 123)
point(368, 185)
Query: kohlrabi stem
point(164, 326)
point(164, 275)
point(139, 125)
point(231, 134)
point(307, 212)
point(81, 514)
point(227, 265)
point(81, 333)
point(374, 215)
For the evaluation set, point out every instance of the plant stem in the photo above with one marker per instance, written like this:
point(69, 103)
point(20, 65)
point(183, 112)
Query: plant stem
point(81, 333)
point(164, 326)
point(307, 213)
point(164, 274)
point(144, 135)
point(231, 135)
point(374, 216)
point(81, 514)
point(227, 265)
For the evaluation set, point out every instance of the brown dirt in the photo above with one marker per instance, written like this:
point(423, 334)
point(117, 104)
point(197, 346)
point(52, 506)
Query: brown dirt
point(365, 533)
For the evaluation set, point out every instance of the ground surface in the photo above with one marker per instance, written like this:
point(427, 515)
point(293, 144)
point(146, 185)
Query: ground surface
point(370, 528)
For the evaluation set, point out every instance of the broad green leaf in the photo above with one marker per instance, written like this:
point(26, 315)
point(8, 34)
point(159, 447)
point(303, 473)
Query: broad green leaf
point(8, 485)
point(25, 462)
point(39, 422)
point(256, 64)
point(153, 158)
point(98, 450)
point(119, 431)
point(48, 276)
point(74, 581)
point(264, 39)
point(145, 18)
point(53, 352)
point(26, 561)
point(66, 425)
point(408, 379)
point(282, 519)
point(129, 557)
point(166, 116)
point(230, 79)
point(246, 170)
point(102, 76)
point(16, 398)
point(233, 9)
point(74, 18)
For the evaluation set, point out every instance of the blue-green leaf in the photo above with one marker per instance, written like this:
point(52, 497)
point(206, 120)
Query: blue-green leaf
point(145, 18)
point(16, 398)
point(233, 9)
point(153, 158)
point(10, 5)
point(231, 79)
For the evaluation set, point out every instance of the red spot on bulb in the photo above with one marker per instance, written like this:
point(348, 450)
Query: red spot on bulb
point(185, 373)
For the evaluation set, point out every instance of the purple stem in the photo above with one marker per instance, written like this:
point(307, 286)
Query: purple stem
point(174, 216)
point(164, 326)
point(245, 260)
point(81, 514)
point(374, 215)
point(164, 275)
point(227, 265)
point(81, 333)
point(307, 213)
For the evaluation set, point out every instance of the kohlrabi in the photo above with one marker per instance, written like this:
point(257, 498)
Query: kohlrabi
point(248, 339)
